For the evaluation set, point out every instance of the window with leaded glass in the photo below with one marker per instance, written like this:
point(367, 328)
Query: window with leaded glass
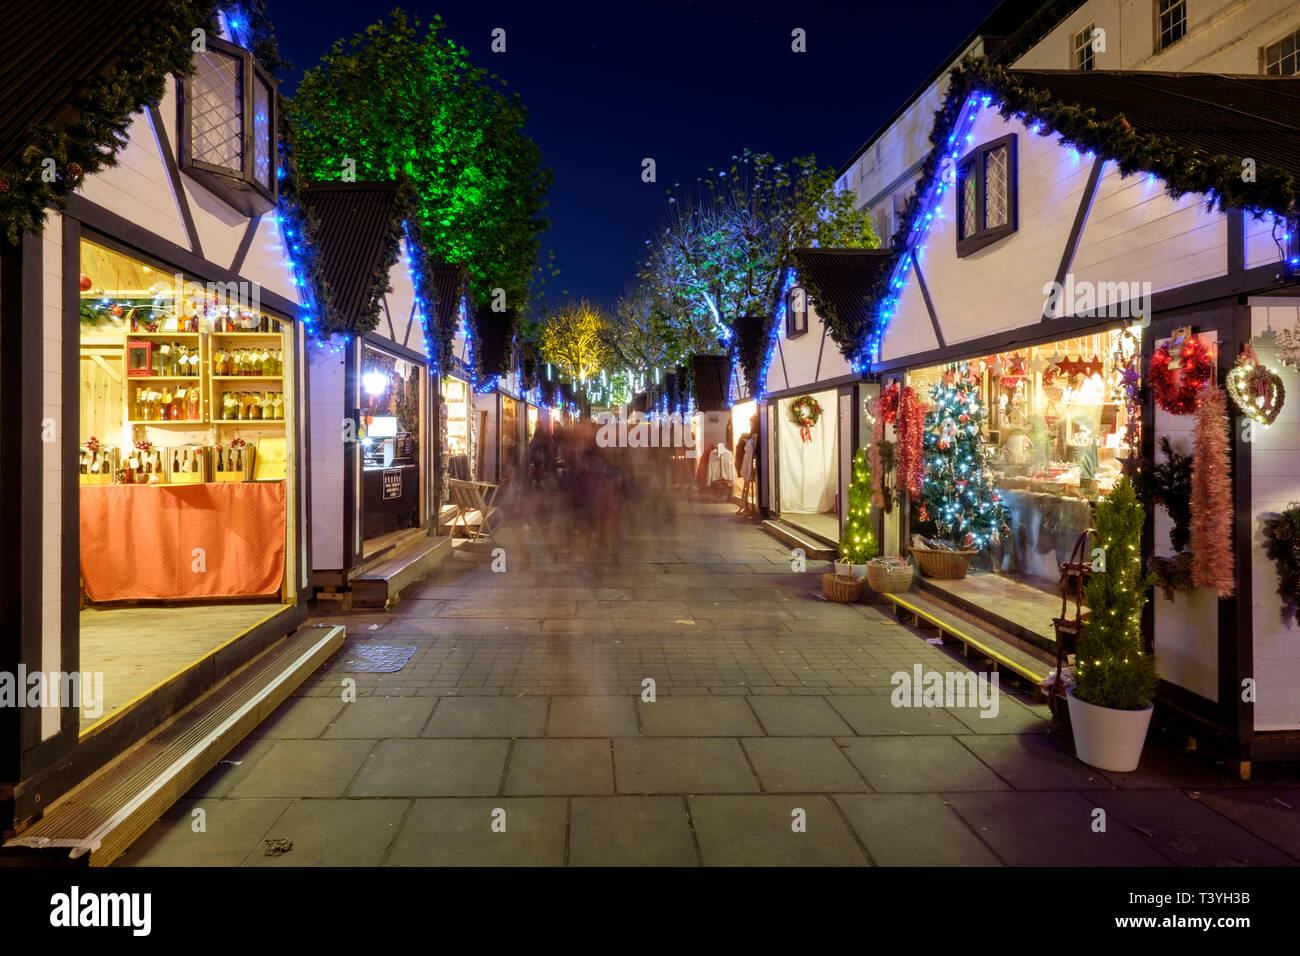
point(986, 195)
point(1283, 57)
point(1171, 22)
point(228, 127)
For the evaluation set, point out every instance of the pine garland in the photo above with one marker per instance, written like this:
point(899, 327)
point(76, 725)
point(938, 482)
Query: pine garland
point(1282, 545)
point(1212, 511)
point(104, 108)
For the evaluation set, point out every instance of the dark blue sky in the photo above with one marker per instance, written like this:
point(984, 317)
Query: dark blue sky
point(687, 83)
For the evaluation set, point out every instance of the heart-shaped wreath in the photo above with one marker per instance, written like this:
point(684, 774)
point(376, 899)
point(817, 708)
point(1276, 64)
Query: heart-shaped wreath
point(1258, 391)
point(805, 411)
point(1177, 392)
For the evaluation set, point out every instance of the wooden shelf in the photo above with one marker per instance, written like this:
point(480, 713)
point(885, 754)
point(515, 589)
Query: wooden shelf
point(248, 336)
point(163, 335)
point(246, 378)
point(174, 421)
point(254, 422)
point(196, 379)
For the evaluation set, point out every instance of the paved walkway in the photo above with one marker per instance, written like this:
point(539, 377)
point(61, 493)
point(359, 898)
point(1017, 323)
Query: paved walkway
point(517, 734)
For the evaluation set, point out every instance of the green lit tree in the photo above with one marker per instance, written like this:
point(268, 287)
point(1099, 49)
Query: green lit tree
point(857, 543)
point(1112, 668)
point(394, 102)
point(958, 494)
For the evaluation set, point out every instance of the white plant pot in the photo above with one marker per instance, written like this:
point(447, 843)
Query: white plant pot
point(851, 570)
point(1106, 738)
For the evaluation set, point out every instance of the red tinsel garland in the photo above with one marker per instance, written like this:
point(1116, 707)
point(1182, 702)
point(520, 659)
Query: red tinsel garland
point(1180, 392)
point(889, 403)
point(1211, 543)
point(911, 459)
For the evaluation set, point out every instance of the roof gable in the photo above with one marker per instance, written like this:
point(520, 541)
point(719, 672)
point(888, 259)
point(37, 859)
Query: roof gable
point(356, 226)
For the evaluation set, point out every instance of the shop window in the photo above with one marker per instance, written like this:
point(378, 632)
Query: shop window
point(228, 125)
point(1082, 56)
point(796, 312)
point(986, 191)
point(391, 462)
point(1283, 57)
point(1171, 23)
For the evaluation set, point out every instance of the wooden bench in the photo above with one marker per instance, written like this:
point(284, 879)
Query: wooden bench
point(473, 502)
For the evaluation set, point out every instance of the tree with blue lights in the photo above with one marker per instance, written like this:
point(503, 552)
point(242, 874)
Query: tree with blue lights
point(958, 494)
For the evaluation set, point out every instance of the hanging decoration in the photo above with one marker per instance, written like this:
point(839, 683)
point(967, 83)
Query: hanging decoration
point(911, 431)
point(805, 411)
point(888, 402)
point(1168, 482)
point(1288, 347)
point(1256, 390)
point(1282, 545)
point(876, 408)
point(1177, 390)
point(1212, 512)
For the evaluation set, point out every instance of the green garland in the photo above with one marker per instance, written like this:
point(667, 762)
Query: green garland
point(104, 108)
point(1282, 545)
point(847, 332)
point(1184, 170)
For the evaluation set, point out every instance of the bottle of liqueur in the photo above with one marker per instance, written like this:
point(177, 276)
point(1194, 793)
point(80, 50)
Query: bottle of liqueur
point(221, 459)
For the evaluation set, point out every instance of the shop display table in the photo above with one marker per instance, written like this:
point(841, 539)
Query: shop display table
point(1044, 528)
point(138, 541)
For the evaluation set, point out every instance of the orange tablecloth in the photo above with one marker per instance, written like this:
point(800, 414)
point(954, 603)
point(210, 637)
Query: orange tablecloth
point(138, 541)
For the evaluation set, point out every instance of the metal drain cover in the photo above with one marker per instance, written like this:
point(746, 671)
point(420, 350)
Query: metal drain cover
point(378, 658)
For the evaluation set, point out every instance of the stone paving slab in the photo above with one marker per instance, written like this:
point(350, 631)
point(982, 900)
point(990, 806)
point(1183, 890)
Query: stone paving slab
point(1272, 814)
point(697, 717)
point(429, 768)
point(592, 717)
point(900, 829)
point(630, 831)
point(1051, 828)
point(681, 765)
point(301, 719)
point(919, 765)
point(758, 831)
point(479, 717)
point(876, 716)
point(333, 833)
point(1035, 762)
point(232, 830)
point(378, 717)
point(543, 767)
point(304, 768)
point(460, 833)
point(802, 765)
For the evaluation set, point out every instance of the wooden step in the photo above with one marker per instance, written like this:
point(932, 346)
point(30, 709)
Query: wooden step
point(100, 818)
point(382, 585)
point(1033, 667)
point(813, 545)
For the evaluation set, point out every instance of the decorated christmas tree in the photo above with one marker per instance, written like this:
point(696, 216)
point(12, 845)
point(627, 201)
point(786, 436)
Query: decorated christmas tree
point(857, 543)
point(957, 494)
point(1111, 667)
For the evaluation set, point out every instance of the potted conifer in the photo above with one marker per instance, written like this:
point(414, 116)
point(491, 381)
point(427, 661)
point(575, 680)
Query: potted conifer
point(857, 543)
point(1115, 679)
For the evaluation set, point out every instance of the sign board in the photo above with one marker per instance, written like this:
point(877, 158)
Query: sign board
point(392, 483)
point(405, 447)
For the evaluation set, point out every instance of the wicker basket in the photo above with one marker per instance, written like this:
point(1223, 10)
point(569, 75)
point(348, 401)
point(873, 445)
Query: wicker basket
point(885, 580)
point(944, 565)
point(846, 590)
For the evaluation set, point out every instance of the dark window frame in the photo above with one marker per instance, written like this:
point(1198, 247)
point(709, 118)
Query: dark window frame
point(1161, 45)
point(1282, 58)
point(1083, 57)
point(793, 330)
point(240, 189)
point(975, 161)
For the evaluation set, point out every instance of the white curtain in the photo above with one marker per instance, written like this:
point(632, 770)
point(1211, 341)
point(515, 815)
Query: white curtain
point(807, 477)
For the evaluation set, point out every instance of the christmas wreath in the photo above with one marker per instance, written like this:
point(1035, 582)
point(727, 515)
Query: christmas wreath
point(1282, 545)
point(1178, 392)
point(805, 411)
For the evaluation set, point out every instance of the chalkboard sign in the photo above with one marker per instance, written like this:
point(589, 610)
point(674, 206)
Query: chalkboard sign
point(392, 483)
point(404, 448)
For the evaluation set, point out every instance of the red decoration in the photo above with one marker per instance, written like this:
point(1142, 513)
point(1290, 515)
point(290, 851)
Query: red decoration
point(805, 411)
point(85, 282)
point(1179, 392)
point(1211, 544)
point(911, 459)
point(116, 310)
point(877, 474)
point(889, 403)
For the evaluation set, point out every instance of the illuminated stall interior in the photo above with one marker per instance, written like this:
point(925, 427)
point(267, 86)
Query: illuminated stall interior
point(808, 467)
point(510, 451)
point(185, 447)
point(1056, 429)
point(456, 401)
point(392, 459)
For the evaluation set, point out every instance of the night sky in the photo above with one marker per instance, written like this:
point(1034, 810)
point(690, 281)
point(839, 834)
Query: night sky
point(688, 84)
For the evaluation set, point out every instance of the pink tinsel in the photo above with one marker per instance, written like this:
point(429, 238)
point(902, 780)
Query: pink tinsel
point(911, 459)
point(1212, 524)
point(877, 479)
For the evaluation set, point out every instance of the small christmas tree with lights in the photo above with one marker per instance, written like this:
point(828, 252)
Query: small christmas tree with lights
point(1112, 668)
point(957, 493)
point(857, 543)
